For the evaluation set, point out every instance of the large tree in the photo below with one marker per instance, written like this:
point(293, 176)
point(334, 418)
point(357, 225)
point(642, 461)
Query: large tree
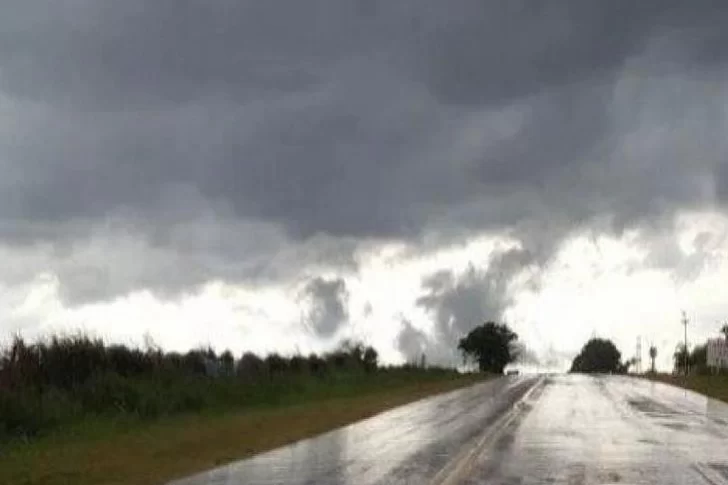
point(599, 355)
point(491, 345)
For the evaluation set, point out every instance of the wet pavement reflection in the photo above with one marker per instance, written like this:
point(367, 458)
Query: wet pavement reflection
point(566, 429)
point(409, 444)
point(610, 429)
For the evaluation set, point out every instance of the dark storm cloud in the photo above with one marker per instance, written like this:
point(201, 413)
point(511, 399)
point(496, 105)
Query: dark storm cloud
point(460, 302)
point(227, 134)
point(412, 342)
point(327, 302)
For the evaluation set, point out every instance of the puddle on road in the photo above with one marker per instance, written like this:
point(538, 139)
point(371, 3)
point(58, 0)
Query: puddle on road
point(648, 406)
point(676, 426)
point(664, 415)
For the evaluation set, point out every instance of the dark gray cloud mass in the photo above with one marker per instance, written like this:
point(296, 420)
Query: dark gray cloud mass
point(457, 302)
point(412, 342)
point(327, 305)
point(243, 140)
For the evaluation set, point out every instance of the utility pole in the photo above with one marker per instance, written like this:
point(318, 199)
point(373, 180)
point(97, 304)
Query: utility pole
point(638, 356)
point(685, 324)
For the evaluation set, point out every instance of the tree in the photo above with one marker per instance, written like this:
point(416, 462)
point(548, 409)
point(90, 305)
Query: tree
point(599, 356)
point(697, 361)
point(490, 345)
point(653, 355)
point(227, 362)
point(370, 359)
point(681, 358)
point(724, 330)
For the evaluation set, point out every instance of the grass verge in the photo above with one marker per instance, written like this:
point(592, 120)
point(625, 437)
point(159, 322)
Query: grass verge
point(127, 451)
point(715, 386)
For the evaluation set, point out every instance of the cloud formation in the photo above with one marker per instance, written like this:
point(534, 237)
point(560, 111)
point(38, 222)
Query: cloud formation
point(412, 342)
point(167, 144)
point(327, 305)
point(458, 301)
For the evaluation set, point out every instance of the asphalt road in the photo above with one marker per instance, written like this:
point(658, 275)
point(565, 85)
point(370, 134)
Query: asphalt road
point(516, 431)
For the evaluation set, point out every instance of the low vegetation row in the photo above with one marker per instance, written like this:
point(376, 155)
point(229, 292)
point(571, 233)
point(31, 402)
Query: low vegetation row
point(63, 379)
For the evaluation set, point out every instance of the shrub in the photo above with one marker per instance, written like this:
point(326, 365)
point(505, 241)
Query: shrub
point(275, 364)
point(57, 380)
point(250, 366)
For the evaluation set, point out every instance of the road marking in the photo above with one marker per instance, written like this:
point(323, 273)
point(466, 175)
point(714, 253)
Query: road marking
point(709, 474)
point(461, 465)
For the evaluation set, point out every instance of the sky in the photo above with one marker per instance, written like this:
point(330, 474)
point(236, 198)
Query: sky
point(280, 175)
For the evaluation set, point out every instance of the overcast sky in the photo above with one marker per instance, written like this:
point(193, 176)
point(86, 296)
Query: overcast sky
point(278, 175)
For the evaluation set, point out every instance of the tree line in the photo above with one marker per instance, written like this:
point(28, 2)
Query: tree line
point(63, 379)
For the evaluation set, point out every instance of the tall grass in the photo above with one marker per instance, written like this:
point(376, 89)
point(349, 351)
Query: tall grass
point(64, 379)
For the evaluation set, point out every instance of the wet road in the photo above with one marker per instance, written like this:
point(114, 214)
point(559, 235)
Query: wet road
point(516, 431)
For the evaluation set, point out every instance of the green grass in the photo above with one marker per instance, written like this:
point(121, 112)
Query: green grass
point(715, 386)
point(75, 410)
point(126, 449)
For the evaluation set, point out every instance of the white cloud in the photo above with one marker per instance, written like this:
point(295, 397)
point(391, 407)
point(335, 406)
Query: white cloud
point(596, 284)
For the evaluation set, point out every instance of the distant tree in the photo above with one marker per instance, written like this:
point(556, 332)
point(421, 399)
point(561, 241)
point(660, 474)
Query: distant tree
point(599, 356)
point(490, 346)
point(316, 365)
point(624, 368)
point(370, 359)
point(227, 362)
point(297, 364)
point(194, 362)
point(275, 364)
point(250, 366)
point(697, 359)
point(681, 358)
point(724, 330)
point(653, 355)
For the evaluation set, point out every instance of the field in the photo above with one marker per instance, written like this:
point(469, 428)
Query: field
point(715, 386)
point(76, 411)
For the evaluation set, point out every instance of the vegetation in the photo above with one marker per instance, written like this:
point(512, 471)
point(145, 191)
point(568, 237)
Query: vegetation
point(63, 380)
point(696, 360)
point(653, 356)
point(124, 449)
point(76, 410)
point(490, 345)
point(599, 356)
point(699, 377)
point(715, 386)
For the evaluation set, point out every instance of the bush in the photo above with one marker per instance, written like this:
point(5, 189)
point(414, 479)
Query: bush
point(110, 392)
point(275, 364)
point(250, 366)
point(128, 362)
point(20, 414)
point(316, 365)
point(64, 378)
